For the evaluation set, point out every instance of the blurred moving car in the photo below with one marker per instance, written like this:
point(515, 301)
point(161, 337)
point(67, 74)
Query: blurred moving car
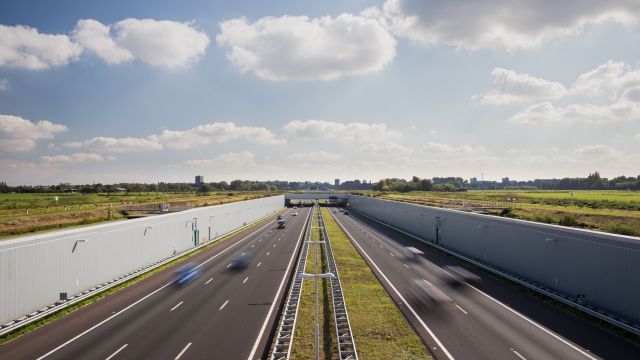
point(295, 214)
point(279, 217)
point(281, 224)
point(240, 262)
point(425, 294)
point(186, 274)
point(459, 276)
point(346, 212)
point(412, 253)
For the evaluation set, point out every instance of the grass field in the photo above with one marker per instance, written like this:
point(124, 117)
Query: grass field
point(610, 211)
point(54, 211)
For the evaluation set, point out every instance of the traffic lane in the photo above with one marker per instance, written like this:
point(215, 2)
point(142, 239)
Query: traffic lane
point(245, 312)
point(599, 342)
point(475, 342)
point(150, 331)
point(490, 331)
point(46, 337)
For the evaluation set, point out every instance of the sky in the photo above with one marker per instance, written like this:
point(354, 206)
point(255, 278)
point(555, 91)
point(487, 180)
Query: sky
point(148, 91)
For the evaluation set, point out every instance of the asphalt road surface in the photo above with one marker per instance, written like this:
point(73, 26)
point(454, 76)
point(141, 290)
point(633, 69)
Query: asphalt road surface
point(492, 320)
point(223, 314)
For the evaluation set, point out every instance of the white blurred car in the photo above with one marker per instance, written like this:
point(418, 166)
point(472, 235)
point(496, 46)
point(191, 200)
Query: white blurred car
point(294, 214)
point(424, 294)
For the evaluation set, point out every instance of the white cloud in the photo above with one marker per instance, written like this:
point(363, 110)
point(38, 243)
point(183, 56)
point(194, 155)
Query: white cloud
point(441, 148)
point(345, 132)
point(472, 24)
point(510, 87)
point(596, 153)
point(627, 108)
point(116, 145)
point(24, 47)
point(161, 43)
point(214, 133)
point(4, 84)
point(300, 48)
point(386, 149)
point(610, 80)
point(233, 160)
point(18, 134)
point(94, 35)
point(315, 157)
point(73, 158)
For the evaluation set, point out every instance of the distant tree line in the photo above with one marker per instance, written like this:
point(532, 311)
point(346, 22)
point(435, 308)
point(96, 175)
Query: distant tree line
point(235, 185)
point(592, 182)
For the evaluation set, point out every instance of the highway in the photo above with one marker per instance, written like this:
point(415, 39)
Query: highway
point(492, 320)
point(222, 314)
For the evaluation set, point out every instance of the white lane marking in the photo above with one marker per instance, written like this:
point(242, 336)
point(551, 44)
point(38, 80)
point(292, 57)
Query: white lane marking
point(245, 280)
point(461, 309)
point(274, 245)
point(223, 305)
point(433, 336)
point(268, 252)
point(405, 265)
point(208, 281)
point(391, 254)
point(259, 264)
point(273, 303)
point(480, 291)
point(428, 283)
point(117, 351)
point(148, 295)
point(177, 306)
point(183, 351)
point(254, 245)
point(534, 323)
point(518, 354)
point(228, 265)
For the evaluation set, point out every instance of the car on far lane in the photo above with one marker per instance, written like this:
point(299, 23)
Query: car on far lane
point(281, 224)
point(346, 212)
point(279, 217)
point(295, 214)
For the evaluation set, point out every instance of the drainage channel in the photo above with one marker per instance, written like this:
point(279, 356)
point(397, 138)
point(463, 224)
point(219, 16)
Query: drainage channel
point(284, 336)
point(346, 345)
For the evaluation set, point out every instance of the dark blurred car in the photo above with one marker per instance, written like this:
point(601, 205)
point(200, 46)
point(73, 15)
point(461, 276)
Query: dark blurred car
point(279, 217)
point(186, 274)
point(240, 262)
point(459, 276)
point(425, 294)
point(346, 212)
point(281, 224)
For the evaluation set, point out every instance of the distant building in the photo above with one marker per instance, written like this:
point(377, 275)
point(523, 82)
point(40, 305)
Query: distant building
point(336, 182)
point(505, 180)
point(473, 181)
point(199, 179)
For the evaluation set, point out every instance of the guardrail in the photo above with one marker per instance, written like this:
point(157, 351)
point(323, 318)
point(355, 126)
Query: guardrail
point(346, 345)
point(63, 304)
point(284, 336)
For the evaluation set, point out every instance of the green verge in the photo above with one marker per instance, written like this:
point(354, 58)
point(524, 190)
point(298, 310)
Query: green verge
point(380, 330)
point(68, 310)
point(303, 346)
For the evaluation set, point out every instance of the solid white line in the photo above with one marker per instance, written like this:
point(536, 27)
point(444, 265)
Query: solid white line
point(117, 351)
point(534, 323)
point(273, 304)
point(480, 291)
point(433, 336)
point(461, 309)
point(183, 351)
point(245, 280)
point(223, 305)
point(175, 307)
point(518, 354)
point(208, 281)
point(147, 296)
point(259, 264)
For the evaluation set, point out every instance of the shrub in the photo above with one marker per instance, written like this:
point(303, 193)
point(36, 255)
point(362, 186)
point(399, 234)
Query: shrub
point(622, 230)
point(568, 220)
point(506, 212)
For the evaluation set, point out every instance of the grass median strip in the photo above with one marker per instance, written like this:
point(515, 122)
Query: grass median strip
point(380, 330)
point(55, 316)
point(303, 346)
